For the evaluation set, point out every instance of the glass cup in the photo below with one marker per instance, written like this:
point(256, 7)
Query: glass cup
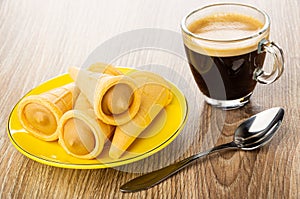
point(226, 45)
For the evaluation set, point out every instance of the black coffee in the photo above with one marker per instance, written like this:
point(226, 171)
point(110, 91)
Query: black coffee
point(225, 73)
point(225, 78)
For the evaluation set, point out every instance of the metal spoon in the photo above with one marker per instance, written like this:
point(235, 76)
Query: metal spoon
point(253, 133)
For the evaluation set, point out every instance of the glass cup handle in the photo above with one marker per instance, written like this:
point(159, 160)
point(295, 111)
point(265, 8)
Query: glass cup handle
point(270, 47)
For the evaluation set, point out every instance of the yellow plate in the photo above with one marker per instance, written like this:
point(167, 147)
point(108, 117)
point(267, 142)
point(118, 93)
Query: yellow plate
point(163, 130)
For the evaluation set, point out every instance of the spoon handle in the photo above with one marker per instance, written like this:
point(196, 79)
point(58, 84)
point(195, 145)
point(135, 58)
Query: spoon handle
point(155, 177)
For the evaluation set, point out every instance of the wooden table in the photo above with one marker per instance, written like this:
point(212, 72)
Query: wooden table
point(41, 39)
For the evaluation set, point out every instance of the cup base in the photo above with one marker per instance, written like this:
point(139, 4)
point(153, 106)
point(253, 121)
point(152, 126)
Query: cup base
point(228, 104)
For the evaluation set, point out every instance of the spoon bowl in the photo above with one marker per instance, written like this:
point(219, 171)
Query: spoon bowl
point(259, 129)
point(261, 141)
point(253, 133)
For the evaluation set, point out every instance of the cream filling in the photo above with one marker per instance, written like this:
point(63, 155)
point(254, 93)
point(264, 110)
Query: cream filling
point(117, 99)
point(40, 118)
point(78, 137)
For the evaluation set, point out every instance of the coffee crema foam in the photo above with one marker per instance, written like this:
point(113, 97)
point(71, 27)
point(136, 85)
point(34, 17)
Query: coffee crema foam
point(222, 27)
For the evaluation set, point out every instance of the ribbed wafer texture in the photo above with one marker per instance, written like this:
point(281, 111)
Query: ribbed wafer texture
point(39, 114)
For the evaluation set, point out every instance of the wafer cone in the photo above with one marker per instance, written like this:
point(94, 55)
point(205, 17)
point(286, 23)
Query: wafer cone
point(40, 114)
point(81, 133)
point(104, 68)
point(102, 89)
point(156, 94)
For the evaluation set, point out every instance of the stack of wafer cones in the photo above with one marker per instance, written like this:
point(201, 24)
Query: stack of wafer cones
point(110, 105)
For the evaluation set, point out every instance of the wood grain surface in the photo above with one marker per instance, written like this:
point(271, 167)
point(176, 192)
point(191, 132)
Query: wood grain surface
point(41, 39)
